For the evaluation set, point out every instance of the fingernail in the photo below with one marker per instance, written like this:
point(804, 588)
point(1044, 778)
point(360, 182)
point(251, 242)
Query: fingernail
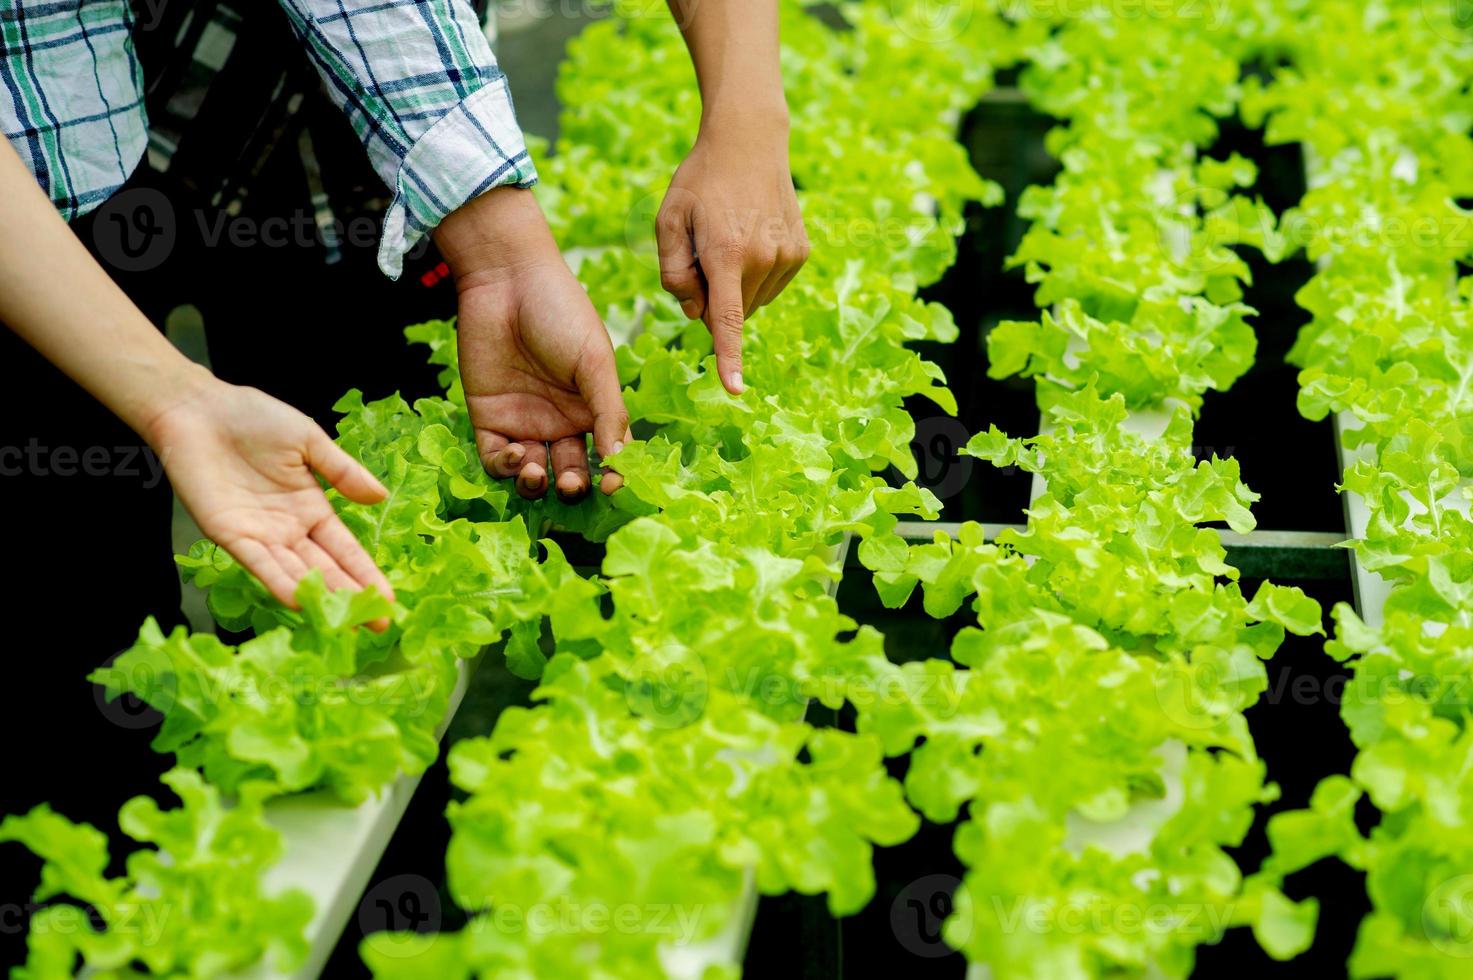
point(618, 445)
point(515, 453)
point(736, 382)
point(533, 482)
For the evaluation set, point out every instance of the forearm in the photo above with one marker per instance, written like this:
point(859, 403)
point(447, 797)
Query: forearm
point(734, 46)
point(62, 303)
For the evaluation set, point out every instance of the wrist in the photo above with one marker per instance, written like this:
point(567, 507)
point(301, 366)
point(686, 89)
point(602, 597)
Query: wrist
point(492, 238)
point(753, 133)
point(761, 121)
point(183, 386)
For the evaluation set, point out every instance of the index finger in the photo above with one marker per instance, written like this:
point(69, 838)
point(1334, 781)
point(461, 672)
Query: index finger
point(333, 537)
point(597, 379)
point(726, 318)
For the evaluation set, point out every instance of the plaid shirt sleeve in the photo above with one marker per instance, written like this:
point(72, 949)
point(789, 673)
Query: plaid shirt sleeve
point(420, 86)
point(71, 100)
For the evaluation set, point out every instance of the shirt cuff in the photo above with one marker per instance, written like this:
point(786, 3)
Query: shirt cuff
point(472, 148)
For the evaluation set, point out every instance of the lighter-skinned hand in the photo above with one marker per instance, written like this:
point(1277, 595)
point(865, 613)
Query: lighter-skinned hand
point(245, 466)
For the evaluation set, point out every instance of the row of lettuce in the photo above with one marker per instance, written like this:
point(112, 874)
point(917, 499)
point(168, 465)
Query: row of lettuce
point(1388, 155)
point(672, 773)
point(1389, 349)
point(1095, 740)
point(665, 762)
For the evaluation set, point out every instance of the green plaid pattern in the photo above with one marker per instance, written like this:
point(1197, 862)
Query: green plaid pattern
point(71, 97)
point(416, 79)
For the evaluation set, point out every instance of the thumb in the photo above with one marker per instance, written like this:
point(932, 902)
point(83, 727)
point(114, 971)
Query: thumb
point(598, 382)
point(348, 476)
point(725, 319)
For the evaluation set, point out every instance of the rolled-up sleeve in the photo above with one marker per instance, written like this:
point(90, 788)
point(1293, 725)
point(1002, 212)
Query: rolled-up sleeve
point(418, 82)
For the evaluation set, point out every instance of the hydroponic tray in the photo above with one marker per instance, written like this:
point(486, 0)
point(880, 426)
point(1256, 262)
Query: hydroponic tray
point(332, 850)
point(691, 962)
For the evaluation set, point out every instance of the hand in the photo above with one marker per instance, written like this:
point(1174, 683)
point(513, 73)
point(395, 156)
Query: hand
point(535, 359)
point(730, 234)
point(242, 463)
